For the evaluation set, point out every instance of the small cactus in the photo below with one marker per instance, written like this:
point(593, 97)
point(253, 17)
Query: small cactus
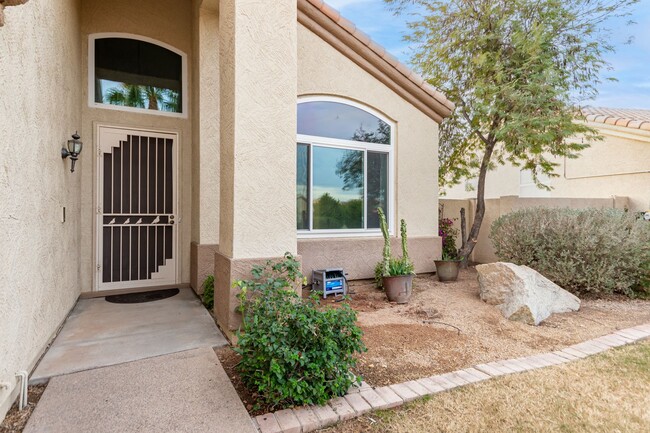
point(405, 248)
point(384, 231)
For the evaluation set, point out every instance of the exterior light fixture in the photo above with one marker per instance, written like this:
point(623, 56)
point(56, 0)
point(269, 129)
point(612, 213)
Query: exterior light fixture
point(73, 150)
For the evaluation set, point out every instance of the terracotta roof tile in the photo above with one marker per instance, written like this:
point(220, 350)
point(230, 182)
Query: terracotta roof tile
point(363, 37)
point(377, 48)
point(645, 126)
point(391, 60)
point(329, 11)
point(417, 79)
point(626, 117)
point(347, 25)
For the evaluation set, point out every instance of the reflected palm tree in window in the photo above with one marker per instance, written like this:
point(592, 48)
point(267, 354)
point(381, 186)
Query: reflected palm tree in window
point(134, 95)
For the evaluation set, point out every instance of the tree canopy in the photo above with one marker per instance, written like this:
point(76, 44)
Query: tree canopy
point(518, 72)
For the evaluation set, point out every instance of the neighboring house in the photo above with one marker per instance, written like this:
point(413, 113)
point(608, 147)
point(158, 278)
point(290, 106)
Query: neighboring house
point(617, 166)
point(217, 134)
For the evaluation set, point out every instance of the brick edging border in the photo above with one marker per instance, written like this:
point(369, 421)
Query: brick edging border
point(363, 399)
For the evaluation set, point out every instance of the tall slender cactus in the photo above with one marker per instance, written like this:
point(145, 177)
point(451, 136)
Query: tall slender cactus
point(405, 248)
point(384, 231)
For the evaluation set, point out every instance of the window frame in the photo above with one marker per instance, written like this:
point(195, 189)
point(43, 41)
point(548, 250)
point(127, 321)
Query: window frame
point(91, 76)
point(337, 143)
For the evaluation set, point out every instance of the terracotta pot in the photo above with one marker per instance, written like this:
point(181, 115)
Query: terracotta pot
point(398, 289)
point(447, 270)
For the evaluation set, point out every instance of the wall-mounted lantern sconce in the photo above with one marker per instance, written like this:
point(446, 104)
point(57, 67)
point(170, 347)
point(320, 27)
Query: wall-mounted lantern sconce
point(74, 149)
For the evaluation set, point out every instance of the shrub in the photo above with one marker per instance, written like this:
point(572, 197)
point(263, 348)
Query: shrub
point(597, 251)
point(293, 351)
point(208, 292)
point(448, 234)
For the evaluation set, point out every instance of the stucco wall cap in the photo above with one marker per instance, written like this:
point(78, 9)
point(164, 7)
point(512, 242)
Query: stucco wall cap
point(387, 60)
point(13, 2)
point(5, 3)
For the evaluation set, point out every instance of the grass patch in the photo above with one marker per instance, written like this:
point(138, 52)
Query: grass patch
point(606, 393)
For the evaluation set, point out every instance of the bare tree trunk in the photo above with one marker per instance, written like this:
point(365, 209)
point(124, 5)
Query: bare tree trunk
point(466, 251)
point(463, 235)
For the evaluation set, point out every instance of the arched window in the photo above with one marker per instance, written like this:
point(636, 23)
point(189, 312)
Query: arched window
point(134, 73)
point(344, 167)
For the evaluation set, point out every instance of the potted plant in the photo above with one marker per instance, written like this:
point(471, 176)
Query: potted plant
point(394, 274)
point(447, 267)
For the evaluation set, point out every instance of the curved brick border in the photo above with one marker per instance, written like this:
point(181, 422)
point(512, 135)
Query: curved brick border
point(364, 398)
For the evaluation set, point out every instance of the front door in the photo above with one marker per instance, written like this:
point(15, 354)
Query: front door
point(137, 208)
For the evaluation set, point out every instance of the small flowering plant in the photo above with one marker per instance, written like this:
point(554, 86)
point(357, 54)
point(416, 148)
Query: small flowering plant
point(448, 233)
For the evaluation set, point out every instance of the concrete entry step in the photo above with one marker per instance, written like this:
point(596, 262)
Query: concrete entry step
point(182, 392)
point(99, 333)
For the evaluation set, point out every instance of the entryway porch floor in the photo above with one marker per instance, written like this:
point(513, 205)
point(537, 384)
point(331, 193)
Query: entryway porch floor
point(98, 333)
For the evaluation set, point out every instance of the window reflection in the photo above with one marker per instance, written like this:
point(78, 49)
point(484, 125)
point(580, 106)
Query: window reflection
point(377, 186)
point(337, 188)
point(341, 121)
point(302, 187)
point(134, 73)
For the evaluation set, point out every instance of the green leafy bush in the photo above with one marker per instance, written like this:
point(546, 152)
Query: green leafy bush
point(208, 292)
point(294, 352)
point(597, 251)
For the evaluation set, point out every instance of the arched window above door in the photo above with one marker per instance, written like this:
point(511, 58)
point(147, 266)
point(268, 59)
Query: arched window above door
point(134, 73)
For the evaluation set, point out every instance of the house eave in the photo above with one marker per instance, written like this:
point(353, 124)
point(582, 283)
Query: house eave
point(342, 34)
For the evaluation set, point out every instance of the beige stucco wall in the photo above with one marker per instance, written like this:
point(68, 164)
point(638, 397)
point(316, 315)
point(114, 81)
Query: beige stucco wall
point(205, 126)
point(258, 128)
point(617, 166)
point(168, 21)
point(322, 70)
point(500, 182)
point(598, 171)
point(39, 110)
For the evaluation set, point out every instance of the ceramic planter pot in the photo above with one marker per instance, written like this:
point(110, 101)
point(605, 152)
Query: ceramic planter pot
point(398, 289)
point(447, 270)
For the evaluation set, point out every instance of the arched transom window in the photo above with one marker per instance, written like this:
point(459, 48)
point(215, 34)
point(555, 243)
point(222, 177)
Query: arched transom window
point(134, 73)
point(344, 167)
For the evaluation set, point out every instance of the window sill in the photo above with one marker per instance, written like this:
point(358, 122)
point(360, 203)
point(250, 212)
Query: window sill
point(340, 234)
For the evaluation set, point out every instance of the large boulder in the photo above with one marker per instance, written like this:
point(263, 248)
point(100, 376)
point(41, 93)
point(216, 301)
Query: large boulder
point(522, 293)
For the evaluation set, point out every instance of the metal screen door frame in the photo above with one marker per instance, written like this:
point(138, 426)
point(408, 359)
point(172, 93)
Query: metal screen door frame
point(108, 138)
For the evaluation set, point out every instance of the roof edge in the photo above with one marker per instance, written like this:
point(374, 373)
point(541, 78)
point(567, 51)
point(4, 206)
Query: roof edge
point(327, 23)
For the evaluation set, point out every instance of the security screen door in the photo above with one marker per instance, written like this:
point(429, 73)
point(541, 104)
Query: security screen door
point(136, 208)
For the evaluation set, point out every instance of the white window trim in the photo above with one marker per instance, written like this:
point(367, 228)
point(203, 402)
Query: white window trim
point(91, 76)
point(336, 143)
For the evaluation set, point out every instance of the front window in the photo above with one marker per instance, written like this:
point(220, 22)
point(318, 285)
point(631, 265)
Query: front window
point(343, 168)
point(137, 74)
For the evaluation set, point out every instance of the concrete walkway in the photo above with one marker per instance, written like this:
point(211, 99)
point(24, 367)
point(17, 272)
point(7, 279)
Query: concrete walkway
point(98, 333)
point(182, 392)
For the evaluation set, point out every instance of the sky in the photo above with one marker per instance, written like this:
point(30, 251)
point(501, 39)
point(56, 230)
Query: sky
point(630, 63)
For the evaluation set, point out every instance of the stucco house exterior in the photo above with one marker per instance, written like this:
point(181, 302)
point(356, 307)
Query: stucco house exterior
point(216, 134)
point(617, 166)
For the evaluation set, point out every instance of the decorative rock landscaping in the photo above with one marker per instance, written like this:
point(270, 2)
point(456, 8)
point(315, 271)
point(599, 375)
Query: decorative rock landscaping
point(522, 293)
point(364, 398)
